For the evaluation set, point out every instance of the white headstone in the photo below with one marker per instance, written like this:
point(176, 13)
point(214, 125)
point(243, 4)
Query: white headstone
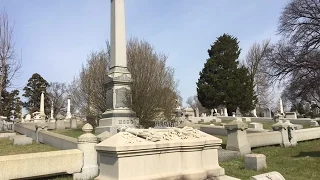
point(225, 112)
point(28, 117)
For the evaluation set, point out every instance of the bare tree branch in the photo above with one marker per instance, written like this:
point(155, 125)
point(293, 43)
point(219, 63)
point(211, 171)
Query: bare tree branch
point(10, 65)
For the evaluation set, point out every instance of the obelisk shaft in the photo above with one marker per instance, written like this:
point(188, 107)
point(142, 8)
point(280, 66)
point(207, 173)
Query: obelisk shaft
point(281, 106)
point(118, 35)
point(68, 110)
point(51, 117)
point(118, 106)
point(42, 104)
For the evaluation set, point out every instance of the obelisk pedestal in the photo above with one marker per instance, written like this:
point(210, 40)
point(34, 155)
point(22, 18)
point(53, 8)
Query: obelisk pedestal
point(119, 112)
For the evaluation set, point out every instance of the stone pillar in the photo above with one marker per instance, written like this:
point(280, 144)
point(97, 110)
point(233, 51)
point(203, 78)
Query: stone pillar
point(237, 137)
point(86, 143)
point(68, 109)
point(42, 114)
point(40, 127)
point(254, 112)
point(118, 95)
point(225, 112)
point(51, 114)
point(197, 112)
point(283, 128)
point(281, 107)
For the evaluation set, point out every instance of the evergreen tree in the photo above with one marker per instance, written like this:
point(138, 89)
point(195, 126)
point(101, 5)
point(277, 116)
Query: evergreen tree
point(11, 104)
point(32, 91)
point(222, 81)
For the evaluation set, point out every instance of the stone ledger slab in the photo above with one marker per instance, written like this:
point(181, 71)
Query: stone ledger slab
point(268, 176)
point(156, 154)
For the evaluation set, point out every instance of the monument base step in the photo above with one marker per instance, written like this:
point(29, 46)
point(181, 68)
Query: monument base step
point(110, 129)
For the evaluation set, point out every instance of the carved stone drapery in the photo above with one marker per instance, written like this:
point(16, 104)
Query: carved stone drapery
point(169, 134)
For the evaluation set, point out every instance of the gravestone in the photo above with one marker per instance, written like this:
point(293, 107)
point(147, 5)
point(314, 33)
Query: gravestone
point(268, 176)
point(255, 161)
point(21, 140)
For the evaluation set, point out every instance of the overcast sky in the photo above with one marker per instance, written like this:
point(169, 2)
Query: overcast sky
point(56, 36)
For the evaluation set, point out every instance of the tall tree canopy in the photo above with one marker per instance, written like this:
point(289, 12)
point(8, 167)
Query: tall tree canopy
point(222, 81)
point(257, 62)
point(11, 104)
point(295, 58)
point(58, 94)
point(9, 64)
point(153, 87)
point(32, 91)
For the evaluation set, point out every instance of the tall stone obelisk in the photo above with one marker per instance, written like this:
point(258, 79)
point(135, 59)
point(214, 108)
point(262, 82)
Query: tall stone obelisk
point(42, 114)
point(281, 107)
point(118, 112)
point(68, 116)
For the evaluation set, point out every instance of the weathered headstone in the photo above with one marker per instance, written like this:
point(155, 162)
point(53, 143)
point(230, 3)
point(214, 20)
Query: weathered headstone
point(314, 123)
point(256, 125)
point(21, 140)
point(255, 161)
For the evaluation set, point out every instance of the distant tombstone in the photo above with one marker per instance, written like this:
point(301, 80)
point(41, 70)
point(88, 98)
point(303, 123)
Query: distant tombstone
point(238, 113)
point(314, 123)
point(28, 117)
point(291, 115)
point(254, 112)
point(197, 112)
point(267, 113)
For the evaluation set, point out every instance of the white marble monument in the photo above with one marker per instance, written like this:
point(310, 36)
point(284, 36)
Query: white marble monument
point(41, 113)
point(68, 116)
point(171, 153)
point(281, 107)
point(225, 112)
point(118, 112)
point(51, 113)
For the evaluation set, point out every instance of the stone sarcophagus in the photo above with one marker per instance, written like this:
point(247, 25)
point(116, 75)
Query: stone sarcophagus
point(150, 154)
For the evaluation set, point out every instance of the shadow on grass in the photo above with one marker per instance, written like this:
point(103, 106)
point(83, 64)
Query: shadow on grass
point(308, 154)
